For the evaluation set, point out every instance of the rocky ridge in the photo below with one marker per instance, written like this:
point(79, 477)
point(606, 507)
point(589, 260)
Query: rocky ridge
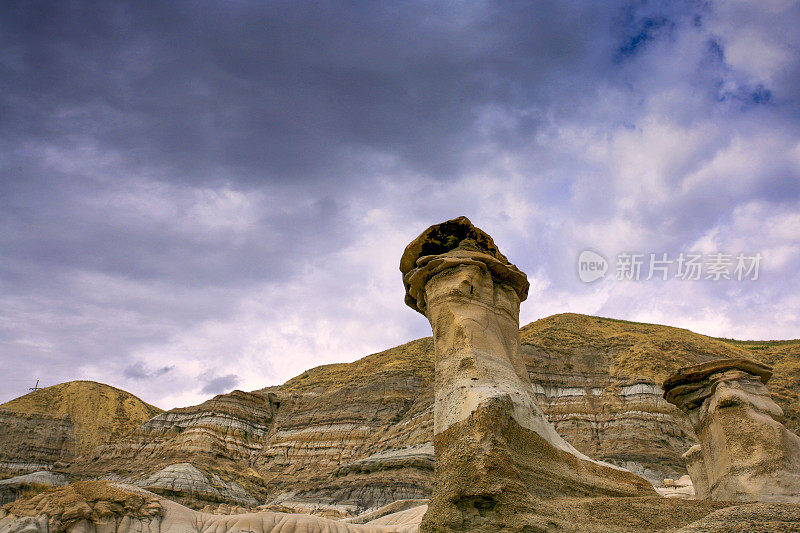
point(198, 455)
point(58, 423)
point(307, 445)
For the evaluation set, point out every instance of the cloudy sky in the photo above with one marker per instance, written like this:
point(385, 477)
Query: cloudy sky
point(207, 195)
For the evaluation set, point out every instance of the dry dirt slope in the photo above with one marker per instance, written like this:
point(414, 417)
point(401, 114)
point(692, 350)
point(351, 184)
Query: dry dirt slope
point(60, 422)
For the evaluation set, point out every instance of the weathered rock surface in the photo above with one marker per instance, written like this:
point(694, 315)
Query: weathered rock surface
point(393, 508)
point(747, 452)
point(13, 488)
point(752, 518)
point(105, 507)
point(595, 379)
point(695, 464)
point(186, 482)
point(196, 455)
point(677, 488)
point(58, 423)
point(74, 507)
point(496, 453)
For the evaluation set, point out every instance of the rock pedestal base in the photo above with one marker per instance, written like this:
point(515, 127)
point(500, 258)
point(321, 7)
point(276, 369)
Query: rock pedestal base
point(745, 451)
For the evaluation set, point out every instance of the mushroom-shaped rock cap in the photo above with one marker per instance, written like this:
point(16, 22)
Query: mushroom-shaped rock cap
point(688, 375)
point(460, 241)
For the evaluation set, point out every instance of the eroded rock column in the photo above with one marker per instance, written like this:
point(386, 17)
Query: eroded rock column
point(496, 453)
point(696, 466)
point(745, 451)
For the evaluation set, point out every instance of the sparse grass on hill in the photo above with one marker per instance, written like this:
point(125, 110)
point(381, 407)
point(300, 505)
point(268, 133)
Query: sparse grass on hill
point(412, 358)
point(98, 412)
point(631, 349)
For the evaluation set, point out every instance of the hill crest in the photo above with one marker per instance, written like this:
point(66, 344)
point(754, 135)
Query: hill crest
point(98, 412)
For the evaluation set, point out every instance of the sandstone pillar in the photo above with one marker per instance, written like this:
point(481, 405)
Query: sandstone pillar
point(496, 453)
point(747, 452)
point(696, 466)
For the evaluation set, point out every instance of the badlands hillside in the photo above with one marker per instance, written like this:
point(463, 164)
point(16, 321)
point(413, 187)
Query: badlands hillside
point(343, 438)
point(58, 423)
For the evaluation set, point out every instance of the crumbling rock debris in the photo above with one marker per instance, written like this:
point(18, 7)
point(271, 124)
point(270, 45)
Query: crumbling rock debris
point(106, 507)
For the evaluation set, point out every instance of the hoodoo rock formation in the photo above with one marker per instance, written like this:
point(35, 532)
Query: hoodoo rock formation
point(745, 451)
point(345, 438)
point(496, 453)
point(360, 446)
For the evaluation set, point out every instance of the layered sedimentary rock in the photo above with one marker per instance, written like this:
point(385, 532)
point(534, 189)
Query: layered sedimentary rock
point(104, 507)
point(13, 488)
point(496, 453)
point(596, 379)
point(186, 482)
point(599, 382)
point(348, 438)
point(336, 441)
point(197, 455)
point(58, 423)
point(746, 453)
point(119, 508)
point(31, 442)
